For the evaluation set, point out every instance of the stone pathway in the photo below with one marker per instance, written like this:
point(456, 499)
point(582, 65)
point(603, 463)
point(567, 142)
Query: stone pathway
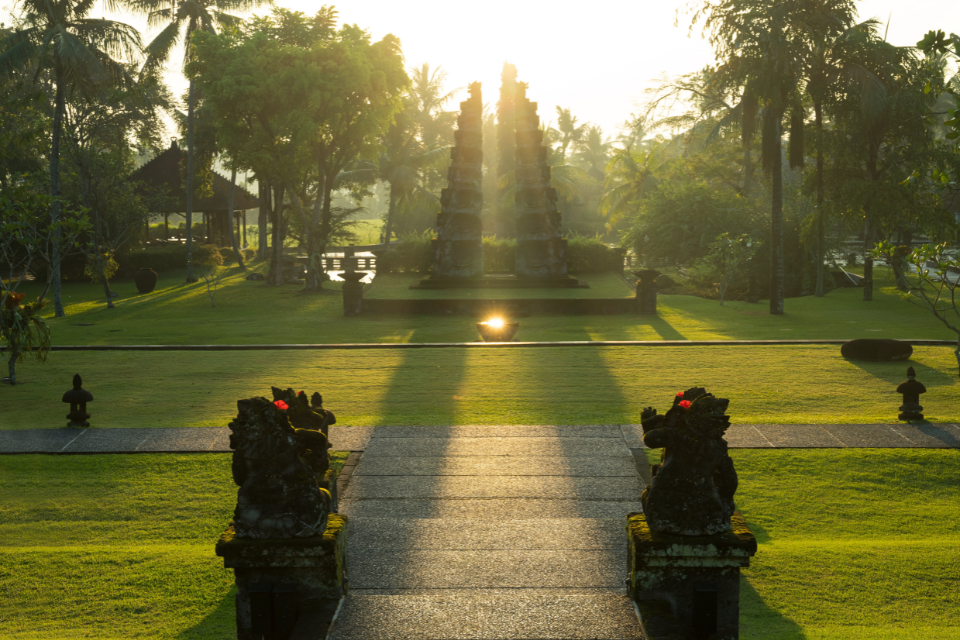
point(216, 439)
point(479, 532)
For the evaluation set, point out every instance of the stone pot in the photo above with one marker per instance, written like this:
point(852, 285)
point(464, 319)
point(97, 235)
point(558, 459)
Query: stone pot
point(145, 279)
point(492, 333)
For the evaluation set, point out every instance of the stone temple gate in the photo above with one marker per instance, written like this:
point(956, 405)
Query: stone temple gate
point(541, 258)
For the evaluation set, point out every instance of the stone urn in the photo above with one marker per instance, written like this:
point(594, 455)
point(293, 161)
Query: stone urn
point(497, 330)
point(145, 279)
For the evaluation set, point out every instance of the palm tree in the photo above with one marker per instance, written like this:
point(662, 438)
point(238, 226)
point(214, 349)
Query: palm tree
point(629, 178)
point(79, 53)
point(569, 131)
point(592, 152)
point(182, 19)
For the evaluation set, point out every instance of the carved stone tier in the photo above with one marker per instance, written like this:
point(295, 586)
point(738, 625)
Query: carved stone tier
point(282, 580)
point(541, 251)
point(458, 249)
point(697, 576)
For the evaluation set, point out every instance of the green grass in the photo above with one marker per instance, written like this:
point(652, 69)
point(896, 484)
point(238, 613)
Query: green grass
point(397, 287)
point(525, 385)
point(249, 312)
point(113, 546)
point(853, 544)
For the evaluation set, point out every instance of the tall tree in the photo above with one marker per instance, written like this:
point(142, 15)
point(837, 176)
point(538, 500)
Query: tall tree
point(761, 44)
point(570, 131)
point(180, 19)
point(340, 93)
point(59, 42)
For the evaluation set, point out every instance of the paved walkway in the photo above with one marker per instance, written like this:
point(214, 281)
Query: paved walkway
point(480, 532)
point(216, 439)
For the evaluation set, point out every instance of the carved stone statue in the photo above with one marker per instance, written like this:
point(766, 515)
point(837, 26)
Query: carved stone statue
point(276, 465)
point(693, 487)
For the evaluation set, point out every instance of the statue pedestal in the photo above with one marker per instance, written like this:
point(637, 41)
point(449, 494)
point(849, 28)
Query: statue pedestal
point(697, 576)
point(280, 580)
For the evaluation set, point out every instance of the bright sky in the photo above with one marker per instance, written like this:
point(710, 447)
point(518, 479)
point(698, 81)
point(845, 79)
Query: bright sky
point(595, 58)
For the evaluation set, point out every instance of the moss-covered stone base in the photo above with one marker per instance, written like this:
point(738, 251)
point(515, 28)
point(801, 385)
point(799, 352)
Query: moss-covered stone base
point(316, 567)
point(673, 569)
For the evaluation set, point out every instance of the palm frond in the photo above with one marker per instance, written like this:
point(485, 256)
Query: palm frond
point(18, 50)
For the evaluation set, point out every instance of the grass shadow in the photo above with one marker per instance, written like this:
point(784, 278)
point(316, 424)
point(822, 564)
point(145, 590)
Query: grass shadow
point(895, 372)
point(758, 621)
point(665, 330)
point(439, 371)
point(220, 623)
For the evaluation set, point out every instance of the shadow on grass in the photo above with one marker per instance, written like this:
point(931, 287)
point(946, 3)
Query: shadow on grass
point(218, 624)
point(664, 329)
point(440, 373)
point(896, 372)
point(760, 622)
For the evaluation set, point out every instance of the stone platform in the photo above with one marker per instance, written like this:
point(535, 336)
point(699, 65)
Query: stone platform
point(494, 281)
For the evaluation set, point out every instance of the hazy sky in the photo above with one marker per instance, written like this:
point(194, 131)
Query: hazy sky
point(595, 58)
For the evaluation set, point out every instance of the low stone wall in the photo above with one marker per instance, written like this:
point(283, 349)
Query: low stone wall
point(513, 308)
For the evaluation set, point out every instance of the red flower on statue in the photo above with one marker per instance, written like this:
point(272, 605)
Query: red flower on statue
point(680, 395)
point(685, 404)
point(283, 406)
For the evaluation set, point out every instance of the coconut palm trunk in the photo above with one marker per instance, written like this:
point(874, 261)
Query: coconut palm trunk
point(189, 213)
point(391, 211)
point(776, 227)
point(821, 239)
point(54, 269)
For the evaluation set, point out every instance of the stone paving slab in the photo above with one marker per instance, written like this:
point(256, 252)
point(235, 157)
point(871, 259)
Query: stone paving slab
point(487, 617)
point(110, 440)
point(37, 440)
point(512, 592)
point(868, 435)
point(500, 431)
point(537, 446)
point(514, 508)
point(444, 487)
point(174, 439)
point(798, 436)
point(381, 465)
point(436, 534)
point(930, 435)
point(488, 568)
point(746, 436)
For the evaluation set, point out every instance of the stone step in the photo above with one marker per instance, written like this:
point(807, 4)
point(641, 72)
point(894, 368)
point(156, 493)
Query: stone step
point(365, 487)
point(572, 447)
point(487, 568)
point(377, 534)
point(501, 431)
point(384, 465)
point(495, 617)
point(494, 508)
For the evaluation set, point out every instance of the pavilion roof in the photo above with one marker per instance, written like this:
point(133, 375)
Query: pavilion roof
point(164, 172)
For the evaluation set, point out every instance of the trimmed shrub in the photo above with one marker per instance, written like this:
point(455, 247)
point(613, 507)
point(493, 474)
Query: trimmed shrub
point(591, 255)
point(412, 254)
point(173, 256)
point(208, 254)
point(499, 255)
point(876, 350)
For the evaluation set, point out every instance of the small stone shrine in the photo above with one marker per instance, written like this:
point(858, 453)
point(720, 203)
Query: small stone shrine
point(286, 547)
point(911, 390)
point(458, 248)
point(541, 249)
point(78, 397)
point(688, 545)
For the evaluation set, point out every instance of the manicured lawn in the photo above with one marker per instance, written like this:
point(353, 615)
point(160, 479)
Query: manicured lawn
point(397, 286)
point(249, 312)
point(853, 544)
point(796, 384)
